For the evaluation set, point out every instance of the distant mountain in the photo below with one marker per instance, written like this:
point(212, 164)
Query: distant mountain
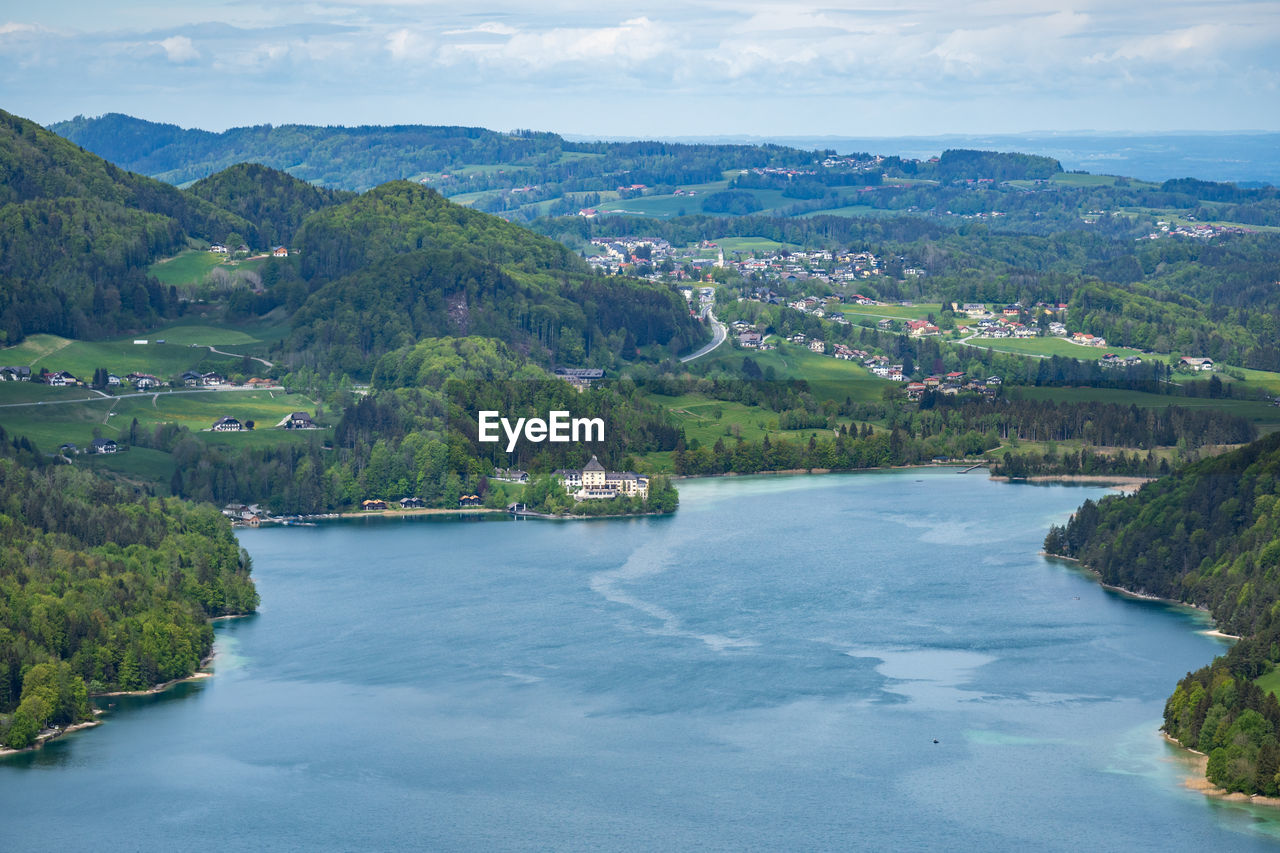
point(76, 233)
point(347, 157)
point(359, 158)
point(1247, 159)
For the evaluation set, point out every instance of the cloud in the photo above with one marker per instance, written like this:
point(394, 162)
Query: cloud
point(13, 27)
point(489, 28)
point(179, 49)
point(757, 59)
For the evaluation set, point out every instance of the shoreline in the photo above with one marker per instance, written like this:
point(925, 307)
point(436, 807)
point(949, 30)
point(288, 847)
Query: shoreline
point(1142, 596)
point(1122, 483)
point(202, 672)
point(968, 464)
point(1199, 763)
point(51, 735)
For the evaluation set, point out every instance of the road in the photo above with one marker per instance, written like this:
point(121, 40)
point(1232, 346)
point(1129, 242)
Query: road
point(718, 334)
point(235, 354)
point(152, 394)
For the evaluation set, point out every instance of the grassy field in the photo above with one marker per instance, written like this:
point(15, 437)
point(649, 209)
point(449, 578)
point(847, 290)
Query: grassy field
point(199, 411)
point(919, 311)
point(138, 465)
point(52, 425)
point(187, 267)
point(829, 378)
point(38, 392)
point(1270, 682)
point(747, 245)
point(856, 210)
point(1048, 346)
point(199, 334)
point(81, 358)
point(1259, 379)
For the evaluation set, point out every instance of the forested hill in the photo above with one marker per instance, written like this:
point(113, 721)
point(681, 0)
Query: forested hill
point(101, 590)
point(76, 231)
point(401, 263)
point(1208, 535)
point(274, 201)
point(401, 216)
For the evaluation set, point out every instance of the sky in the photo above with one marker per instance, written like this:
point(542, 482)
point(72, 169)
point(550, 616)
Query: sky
point(659, 69)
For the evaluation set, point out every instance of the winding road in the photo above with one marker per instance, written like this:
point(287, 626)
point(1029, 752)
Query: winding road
point(718, 333)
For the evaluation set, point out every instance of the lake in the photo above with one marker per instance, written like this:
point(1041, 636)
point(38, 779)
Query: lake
point(876, 660)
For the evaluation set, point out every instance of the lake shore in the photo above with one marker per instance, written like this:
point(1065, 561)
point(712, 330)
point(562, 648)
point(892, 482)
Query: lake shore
point(1143, 596)
point(967, 464)
point(202, 672)
point(1119, 483)
point(1198, 781)
point(51, 734)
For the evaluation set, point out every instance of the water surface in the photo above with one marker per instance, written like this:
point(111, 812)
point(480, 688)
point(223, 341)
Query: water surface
point(768, 669)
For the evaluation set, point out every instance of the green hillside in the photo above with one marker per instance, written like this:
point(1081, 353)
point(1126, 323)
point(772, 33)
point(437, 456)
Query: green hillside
point(76, 233)
point(1208, 535)
point(274, 201)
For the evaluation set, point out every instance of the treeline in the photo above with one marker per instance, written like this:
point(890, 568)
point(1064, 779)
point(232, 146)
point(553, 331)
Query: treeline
point(841, 449)
point(1209, 535)
point(101, 590)
point(1106, 424)
point(358, 158)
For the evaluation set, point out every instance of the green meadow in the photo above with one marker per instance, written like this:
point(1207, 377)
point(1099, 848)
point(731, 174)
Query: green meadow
point(829, 378)
point(747, 245)
point(50, 425)
point(82, 358)
point(1048, 346)
point(187, 267)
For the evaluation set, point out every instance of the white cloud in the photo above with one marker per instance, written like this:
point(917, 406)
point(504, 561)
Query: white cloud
point(179, 49)
point(489, 28)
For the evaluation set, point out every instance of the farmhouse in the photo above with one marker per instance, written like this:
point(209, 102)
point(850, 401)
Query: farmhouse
point(279, 252)
point(412, 503)
point(227, 425)
point(370, 505)
point(16, 373)
point(1196, 363)
point(297, 420)
point(103, 445)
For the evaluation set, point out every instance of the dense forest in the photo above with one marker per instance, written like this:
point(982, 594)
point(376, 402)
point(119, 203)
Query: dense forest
point(76, 233)
point(1209, 535)
point(274, 201)
point(407, 264)
point(101, 590)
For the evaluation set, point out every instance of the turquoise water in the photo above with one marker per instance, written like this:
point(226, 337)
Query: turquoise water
point(766, 670)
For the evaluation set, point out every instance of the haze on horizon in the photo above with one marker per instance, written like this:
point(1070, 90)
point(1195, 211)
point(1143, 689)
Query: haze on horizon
point(696, 68)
